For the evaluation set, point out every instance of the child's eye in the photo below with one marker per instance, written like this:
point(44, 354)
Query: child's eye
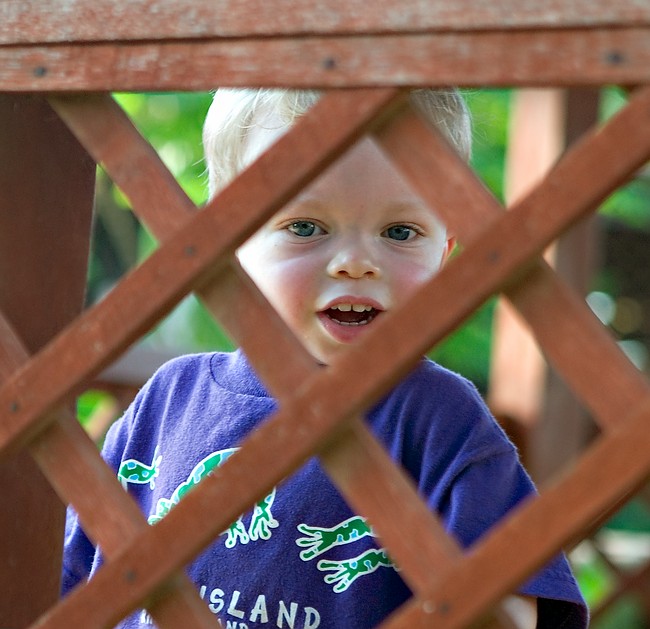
point(400, 232)
point(305, 229)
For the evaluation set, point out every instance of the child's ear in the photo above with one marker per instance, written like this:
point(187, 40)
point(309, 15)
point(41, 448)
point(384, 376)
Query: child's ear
point(449, 247)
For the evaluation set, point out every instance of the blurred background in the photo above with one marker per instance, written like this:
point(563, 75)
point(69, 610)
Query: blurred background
point(611, 566)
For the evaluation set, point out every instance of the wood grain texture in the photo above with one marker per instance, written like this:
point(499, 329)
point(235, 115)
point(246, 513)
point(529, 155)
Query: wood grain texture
point(44, 224)
point(572, 57)
point(74, 45)
point(30, 21)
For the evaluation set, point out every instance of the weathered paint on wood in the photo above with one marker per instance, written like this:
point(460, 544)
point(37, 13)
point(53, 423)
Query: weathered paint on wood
point(511, 42)
point(539, 58)
point(44, 227)
point(31, 21)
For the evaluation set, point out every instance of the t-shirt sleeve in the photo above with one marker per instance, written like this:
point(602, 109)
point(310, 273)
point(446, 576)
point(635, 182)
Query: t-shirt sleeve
point(473, 507)
point(80, 556)
point(470, 473)
point(79, 552)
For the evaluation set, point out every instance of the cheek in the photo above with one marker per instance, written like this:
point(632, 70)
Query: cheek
point(408, 276)
point(288, 285)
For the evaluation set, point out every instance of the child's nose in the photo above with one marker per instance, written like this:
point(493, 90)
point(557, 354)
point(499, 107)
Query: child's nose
point(354, 261)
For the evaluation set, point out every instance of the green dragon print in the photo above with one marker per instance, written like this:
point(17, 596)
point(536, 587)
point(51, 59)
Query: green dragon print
point(261, 523)
point(346, 572)
point(132, 471)
point(319, 540)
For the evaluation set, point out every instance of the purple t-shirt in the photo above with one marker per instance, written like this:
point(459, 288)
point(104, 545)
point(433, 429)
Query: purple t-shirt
point(301, 558)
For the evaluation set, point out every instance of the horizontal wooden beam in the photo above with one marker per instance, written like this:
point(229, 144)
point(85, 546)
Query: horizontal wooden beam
point(566, 57)
point(57, 21)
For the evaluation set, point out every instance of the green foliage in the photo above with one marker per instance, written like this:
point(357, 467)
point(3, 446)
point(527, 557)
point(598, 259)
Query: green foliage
point(172, 123)
point(489, 109)
point(628, 204)
point(634, 516)
point(88, 402)
point(626, 614)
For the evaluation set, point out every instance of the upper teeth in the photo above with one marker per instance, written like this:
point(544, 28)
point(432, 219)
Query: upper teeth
point(355, 307)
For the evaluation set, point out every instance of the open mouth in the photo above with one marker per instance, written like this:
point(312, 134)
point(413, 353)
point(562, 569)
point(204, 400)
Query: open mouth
point(351, 314)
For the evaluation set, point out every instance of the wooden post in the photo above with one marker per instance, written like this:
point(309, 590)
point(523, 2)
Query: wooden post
point(47, 183)
point(534, 404)
point(564, 426)
point(517, 370)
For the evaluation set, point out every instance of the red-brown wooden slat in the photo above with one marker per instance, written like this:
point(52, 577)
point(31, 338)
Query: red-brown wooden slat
point(365, 473)
point(355, 462)
point(30, 21)
point(42, 208)
point(74, 468)
point(573, 338)
point(109, 515)
point(324, 401)
point(617, 465)
point(44, 224)
point(577, 57)
point(624, 447)
point(184, 262)
point(103, 128)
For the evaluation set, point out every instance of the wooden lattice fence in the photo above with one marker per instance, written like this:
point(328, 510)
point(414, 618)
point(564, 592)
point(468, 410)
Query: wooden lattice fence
point(71, 53)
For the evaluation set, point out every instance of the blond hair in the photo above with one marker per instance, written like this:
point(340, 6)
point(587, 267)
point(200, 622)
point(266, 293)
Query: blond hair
point(234, 112)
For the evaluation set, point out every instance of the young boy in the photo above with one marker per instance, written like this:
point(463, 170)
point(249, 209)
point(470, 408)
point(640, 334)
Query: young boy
point(345, 252)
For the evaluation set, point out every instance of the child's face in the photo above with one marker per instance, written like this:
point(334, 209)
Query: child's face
point(350, 248)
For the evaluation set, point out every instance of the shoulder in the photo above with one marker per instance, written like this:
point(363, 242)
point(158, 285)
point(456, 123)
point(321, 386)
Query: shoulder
point(172, 385)
point(181, 369)
point(436, 418)
point(190, 374)
point(433, 381)
point(433, 398)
